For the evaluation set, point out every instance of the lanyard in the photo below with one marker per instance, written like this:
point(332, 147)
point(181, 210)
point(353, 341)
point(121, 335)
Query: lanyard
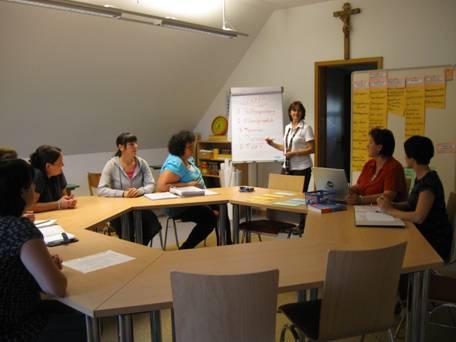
point(289, 145)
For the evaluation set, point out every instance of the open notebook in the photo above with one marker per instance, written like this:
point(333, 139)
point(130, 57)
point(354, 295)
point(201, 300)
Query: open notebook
point(372, 216)
point(54, 234)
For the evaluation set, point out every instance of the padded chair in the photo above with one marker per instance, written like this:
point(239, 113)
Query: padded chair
point(442, 282)
point(225, 308)
point(272, 225)
point(358, 299)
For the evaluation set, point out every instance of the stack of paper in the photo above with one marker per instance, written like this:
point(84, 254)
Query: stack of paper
point(54, 234)
point(187, 191)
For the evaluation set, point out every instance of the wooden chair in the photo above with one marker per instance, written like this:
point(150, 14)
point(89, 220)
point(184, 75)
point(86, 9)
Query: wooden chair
point(93, 179)
point(273, 224)
point(358, 299)
point(225, 308)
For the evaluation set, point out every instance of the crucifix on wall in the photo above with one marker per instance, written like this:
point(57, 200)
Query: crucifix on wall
point(344, 15)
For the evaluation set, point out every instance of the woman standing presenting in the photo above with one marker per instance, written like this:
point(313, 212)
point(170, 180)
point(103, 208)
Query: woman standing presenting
point(298, 144)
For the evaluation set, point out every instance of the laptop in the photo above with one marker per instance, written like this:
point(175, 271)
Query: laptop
point(331, 179)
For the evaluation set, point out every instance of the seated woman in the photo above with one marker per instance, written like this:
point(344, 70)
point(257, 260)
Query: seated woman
point(179, 170)
point(127, 175)
point(382, 175)
point(426, 203)
point(26, 266)
point(50, 182)
point(7, 153)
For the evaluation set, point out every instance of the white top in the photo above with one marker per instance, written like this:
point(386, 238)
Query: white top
point(301, 135)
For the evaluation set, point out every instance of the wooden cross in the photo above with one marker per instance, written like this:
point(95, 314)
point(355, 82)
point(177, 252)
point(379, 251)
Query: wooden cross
point(344, 15)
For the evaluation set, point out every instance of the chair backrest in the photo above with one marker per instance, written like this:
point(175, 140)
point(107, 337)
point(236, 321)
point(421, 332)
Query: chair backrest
point(286, 182)
point(451, 209)
point(93, 179)
point(225, 308)
point(360, 291)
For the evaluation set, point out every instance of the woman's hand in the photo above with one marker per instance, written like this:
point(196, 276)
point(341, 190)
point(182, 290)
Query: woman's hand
point(290, 154)
point(352, 198)
point(269, 141)
point(384, 203)
point(67, 202)
point(194, 183)
point(30, 215)
point(57, 261)
point(131, 193)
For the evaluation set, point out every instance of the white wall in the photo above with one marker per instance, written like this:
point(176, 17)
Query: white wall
point(407, 33)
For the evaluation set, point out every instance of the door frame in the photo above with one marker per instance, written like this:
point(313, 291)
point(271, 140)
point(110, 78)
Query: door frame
point(320, 75)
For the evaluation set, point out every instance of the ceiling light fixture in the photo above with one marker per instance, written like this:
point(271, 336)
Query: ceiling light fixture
point(118, 13)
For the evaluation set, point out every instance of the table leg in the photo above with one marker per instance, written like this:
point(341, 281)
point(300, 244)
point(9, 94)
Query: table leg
point(301, 296)
point(125, 328)
point(235, 223)
point(417, 306)
point(173, 326)
point(222, 224)
point(314, 294)
point(155, 326)
point(125, 223)
point(137, 219)
point(92, 329)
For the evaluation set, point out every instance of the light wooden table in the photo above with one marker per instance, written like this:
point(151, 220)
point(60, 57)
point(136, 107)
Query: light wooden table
point(143, 285)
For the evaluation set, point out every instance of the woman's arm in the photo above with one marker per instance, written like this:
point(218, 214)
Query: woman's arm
point(44, 267)
point(104, 187)
point(273, 144)
point(169, 179)
point(423, 207)
point(309, 149)
point(148, 182)
point(354, 198)
point(65, 202)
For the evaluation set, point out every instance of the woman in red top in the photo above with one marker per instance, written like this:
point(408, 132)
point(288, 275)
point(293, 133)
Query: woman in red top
point(382, 175)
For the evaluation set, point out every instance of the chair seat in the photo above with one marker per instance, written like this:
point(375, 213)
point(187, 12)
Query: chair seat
point(442, 288)
point(304, 315)
point(266, 226)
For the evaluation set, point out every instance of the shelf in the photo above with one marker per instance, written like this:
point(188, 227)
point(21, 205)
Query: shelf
point(214, 160)
point(214, 142)
point(211, 176)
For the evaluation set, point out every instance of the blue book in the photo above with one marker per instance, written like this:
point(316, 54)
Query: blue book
point(324, 208)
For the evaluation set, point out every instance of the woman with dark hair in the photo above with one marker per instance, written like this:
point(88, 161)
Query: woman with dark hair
point(127, 175)
point(26, 266)
point(426, 203)
point(180, 170)
point(7, 153)
point(298, 144)
point(382, 175)
point(50, 182)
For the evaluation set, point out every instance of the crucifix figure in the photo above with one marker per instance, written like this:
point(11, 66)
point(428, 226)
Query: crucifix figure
point(344, 15)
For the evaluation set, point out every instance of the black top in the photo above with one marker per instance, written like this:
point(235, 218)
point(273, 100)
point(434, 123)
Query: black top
point(50, 189)
point(19, 292)
point(436, 227)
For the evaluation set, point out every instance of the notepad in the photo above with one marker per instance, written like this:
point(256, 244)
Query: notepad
point(55, 235)
point(187, 191)
point(372, 216)
point(160, 196)
point(97, 261)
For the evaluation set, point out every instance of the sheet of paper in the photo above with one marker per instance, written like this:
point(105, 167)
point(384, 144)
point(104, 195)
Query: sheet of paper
point(360, 124)
point(378, 216)
point(160, 196)
point(209, 192)
point(45, 223)
point(97, 261)
point(285, 193)
point(53, 233)
point(288, 203)
point(378, 99)
point(414, 108)
point(396, 95)
point(298, 200)
point(435, 91)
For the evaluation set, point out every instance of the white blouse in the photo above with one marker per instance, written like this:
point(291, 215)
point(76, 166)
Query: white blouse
point(298, 137)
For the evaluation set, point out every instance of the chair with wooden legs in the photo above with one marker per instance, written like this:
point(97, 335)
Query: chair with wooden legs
point(358, 298)
point(93, 179)
point(273, 224)
point(225, 308)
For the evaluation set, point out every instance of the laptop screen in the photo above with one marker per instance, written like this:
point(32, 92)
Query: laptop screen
point(331, 179)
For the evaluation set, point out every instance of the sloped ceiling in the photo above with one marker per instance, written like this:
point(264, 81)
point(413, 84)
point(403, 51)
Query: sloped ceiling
point(76, 81)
